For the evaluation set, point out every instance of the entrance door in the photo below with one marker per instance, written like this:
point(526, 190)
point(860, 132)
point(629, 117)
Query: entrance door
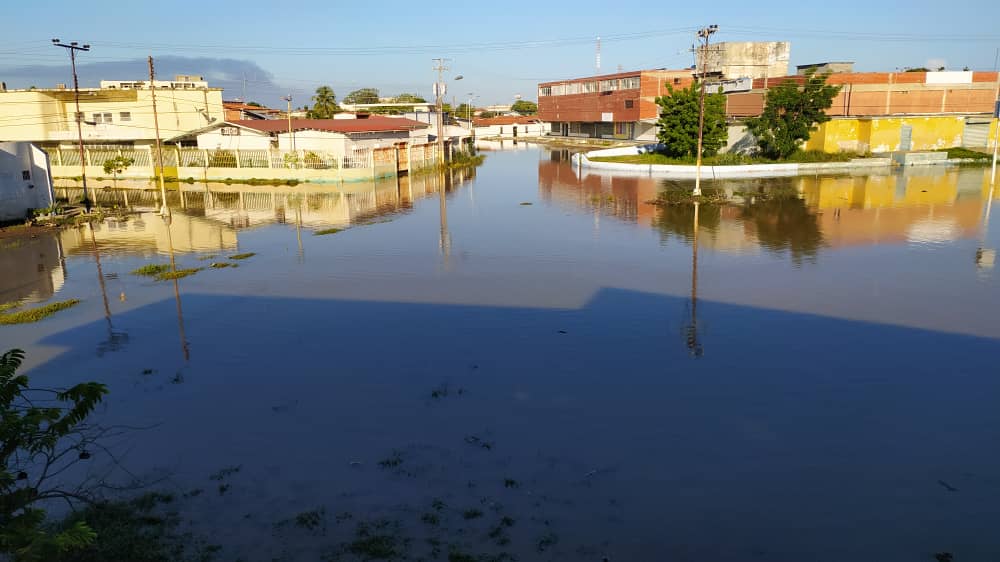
point(515, 131)
point(906, 138)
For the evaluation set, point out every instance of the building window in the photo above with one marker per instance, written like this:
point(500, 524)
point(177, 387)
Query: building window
point(230, 131)
point(629, 104)
point(589, 87)
point(26, 175)
point(621, 129)
point(677, 81)
point(102, 118)
point(545, 91)
point(608, 85)
point(125, 116)
point(631, 83)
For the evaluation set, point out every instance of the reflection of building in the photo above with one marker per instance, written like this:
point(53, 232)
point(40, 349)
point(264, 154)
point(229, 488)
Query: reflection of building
point(148, 232)
point(930, 205)
point(32, 268)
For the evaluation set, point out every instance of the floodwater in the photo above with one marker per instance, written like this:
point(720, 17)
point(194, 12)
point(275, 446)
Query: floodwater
point(804, 378)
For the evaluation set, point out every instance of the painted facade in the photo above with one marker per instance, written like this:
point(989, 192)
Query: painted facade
point(25, 180)
point(111, 115)
point(887, 134)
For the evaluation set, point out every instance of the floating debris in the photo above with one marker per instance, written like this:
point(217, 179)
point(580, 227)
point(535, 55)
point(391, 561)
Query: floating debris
point(242, 256)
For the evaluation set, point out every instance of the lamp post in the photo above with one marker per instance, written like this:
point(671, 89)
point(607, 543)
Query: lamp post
point(703, 33)
point(73, 47)
point(472, 128)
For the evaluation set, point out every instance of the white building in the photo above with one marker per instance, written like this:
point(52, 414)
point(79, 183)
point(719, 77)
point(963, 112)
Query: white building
point(25, 180)
point(511, 126)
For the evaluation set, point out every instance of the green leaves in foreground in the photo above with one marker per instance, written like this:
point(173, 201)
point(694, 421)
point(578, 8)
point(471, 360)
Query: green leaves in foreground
point(29, 431)
point(35, 314)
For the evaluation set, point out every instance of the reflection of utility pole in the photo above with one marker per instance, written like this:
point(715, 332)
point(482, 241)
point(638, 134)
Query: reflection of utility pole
point(177, 292)
point(691, 331)
point(115, 340)
point(298, 231)
point(703, 33)
point(444, 242)
point(73, 47)
point(164, 210)
point(986, 257)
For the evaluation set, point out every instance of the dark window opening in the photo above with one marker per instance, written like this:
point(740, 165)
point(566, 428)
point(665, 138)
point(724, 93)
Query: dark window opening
point(26, 175)
point(629, 104)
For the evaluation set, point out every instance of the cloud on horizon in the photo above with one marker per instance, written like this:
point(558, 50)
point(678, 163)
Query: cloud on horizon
point(219, 72)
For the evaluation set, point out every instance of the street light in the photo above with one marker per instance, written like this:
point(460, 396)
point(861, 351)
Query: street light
point(73, 47)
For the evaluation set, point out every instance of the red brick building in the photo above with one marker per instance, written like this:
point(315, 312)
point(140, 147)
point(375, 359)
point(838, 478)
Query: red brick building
point(623, 105)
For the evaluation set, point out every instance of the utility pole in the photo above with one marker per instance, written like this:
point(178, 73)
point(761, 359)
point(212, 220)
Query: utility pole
point(291, 135)
point(164, 210)
point(73, 47)
point(440, 65)
point(703, 33)
point(996, 142)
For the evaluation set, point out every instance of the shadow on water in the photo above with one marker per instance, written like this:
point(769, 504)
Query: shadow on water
point(592, 453)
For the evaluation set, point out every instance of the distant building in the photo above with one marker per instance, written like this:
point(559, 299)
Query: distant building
point(237, 110)
point(728, 60)
point(825, 67)
point(118, 113)
point(612, 106)
point(511, 126)
point(331, 136)
point(25, 180)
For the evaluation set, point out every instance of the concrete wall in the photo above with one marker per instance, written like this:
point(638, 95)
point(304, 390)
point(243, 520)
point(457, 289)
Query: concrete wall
point(752, 59)
point(25, 180)
point(884, 134)
point(507, 131)
point(245, 140)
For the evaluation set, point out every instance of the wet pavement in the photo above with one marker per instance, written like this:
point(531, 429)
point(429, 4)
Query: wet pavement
point(810, 377)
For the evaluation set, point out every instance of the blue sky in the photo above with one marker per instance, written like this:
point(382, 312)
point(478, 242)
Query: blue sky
point(501, 49)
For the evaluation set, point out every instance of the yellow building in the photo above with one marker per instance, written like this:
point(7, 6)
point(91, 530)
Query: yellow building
point(888, 134)
point(117, 113)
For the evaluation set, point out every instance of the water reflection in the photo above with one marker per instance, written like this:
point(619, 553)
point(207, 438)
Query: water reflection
point(33, 268)
point(116, 339)
point(796, 217)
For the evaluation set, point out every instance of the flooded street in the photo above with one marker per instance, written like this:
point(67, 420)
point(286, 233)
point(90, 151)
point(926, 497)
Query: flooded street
point(531, 360)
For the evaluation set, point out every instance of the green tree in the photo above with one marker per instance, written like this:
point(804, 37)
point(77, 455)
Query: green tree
point(117, 165)
point(678, 123)
point(324, 104)
point(409, 98)
point(524, 107)
point(487, 114)
point(254, 104)
point(363, 95)
point(463, 111)
point(791, 113)
point(42, 433)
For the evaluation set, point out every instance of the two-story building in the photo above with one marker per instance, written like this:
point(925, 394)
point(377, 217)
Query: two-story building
point(118, 113)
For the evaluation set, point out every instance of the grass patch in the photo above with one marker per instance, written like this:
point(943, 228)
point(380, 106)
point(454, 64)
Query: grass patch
point(4, 307)
point(242, 256)
point(178, 274)
point(151, 270)
point(682, 196)
point(326, 231)
point(222, 265)
point(35, 314)
point(729, 159)
point(966, 154)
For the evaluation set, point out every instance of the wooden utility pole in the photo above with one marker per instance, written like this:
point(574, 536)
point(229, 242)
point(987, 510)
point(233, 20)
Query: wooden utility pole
point(73, 47)
point(440, 65)
point(291, 135)
point(704, 34)
point(164, 209)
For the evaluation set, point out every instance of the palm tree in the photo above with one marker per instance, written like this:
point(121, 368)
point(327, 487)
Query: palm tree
point(324, 103)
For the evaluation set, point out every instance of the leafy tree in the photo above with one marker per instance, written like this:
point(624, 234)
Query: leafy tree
point(254, 104)
point(791, 113)
point(42, 433)
point(918, 69)
point(409, 98)
point(324, 104)
point(463, 111)
point(487, 114)
point(117, 165)
point(678, 123)
point(524, 107)
point(363, 95)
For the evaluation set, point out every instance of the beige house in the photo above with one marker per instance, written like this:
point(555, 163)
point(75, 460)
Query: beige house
point(117, 113)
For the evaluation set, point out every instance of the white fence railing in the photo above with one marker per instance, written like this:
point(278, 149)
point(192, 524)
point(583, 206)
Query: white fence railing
point(404, 157)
